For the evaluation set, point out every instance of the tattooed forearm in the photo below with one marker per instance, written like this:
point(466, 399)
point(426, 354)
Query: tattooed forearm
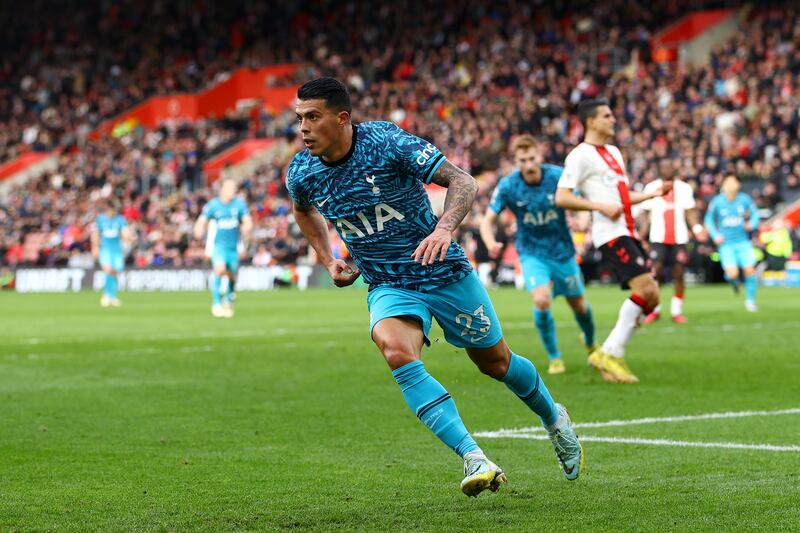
point(461, 189)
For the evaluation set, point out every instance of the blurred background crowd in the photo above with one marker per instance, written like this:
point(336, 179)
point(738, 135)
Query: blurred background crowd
point(465, 75)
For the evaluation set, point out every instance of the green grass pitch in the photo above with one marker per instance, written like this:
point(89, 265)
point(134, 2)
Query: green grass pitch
point(157, 417)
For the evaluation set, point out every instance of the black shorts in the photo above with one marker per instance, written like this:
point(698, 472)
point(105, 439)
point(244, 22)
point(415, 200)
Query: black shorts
point(669, 254)
point(626, 258)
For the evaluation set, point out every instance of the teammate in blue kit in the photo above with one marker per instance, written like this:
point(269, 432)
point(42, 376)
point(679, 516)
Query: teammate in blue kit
point(367, 180)
point(232, 222)
point(109, 232)
point(544, 244)
point(730, 229)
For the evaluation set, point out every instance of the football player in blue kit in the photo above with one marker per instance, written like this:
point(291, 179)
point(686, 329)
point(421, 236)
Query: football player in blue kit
point(232, 223)
point(108, 235)
point(367, 180)
point(730, 218)
point(544, 244)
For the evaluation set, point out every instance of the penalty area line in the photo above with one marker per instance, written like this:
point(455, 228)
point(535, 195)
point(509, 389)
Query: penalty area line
point(658, 442)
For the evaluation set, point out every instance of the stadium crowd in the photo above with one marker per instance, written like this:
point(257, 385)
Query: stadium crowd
point(465, 76)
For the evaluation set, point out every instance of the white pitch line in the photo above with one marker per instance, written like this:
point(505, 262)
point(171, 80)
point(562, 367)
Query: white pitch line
point(664, 442)
point(648, 420)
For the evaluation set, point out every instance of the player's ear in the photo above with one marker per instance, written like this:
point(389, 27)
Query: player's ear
point(344, 118)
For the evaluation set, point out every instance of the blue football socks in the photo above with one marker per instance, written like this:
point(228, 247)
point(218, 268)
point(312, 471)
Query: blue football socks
point(750, 284)
point(434, 407)
point(216, 282)
point(586, 323)
point(524, 381)
point(111, 286)
point(546, 326)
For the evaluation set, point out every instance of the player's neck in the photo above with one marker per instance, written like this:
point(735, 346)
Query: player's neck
point(595, 138)
point(341, 148)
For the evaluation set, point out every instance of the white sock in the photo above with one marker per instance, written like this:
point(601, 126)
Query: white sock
point(629, 315)
point(676, 308)
point(657, 310)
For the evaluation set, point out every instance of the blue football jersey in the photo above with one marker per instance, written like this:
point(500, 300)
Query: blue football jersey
point(110, 230)
point(376, 200)
point(727, 218)
point(228, 218)
point(541, 226)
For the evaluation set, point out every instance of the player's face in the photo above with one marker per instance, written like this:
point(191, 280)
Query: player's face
point(227, 191)
point(529, 162)
point(666, 170)
point(730, 186)
point(320, 127)
point(603, 121)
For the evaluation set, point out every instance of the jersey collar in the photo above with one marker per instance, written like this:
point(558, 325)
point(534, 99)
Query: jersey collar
point(346, 156)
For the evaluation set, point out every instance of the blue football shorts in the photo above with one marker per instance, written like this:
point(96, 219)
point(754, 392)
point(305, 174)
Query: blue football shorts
point(113, 259)
point(228, 257)
point(462, 309)
point(737, 254)
point(565, 275)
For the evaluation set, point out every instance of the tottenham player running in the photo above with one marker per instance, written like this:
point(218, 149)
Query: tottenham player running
point(367, 180)
point(544, 244)
point(109, 232)
point(667, 232)
point(595, 168)
point(232, 222)
point(728, 225)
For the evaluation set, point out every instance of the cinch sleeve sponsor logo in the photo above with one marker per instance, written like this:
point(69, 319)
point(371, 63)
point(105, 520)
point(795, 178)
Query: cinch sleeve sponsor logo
point(426, 154)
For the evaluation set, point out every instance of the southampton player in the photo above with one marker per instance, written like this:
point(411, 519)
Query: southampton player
point(544, 244)
point(729, 226)
point(595, 168)
point(667, 232)
point(232, 221)
point(109, 232)
point(367, 180)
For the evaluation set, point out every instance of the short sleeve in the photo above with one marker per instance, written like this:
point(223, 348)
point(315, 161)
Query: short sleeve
point(293, 179)
point(571, 176)
point(688, 200)
point(206, 212)
point(243, 211)
point(498, 200)
point(413, 156)
point(122, 222)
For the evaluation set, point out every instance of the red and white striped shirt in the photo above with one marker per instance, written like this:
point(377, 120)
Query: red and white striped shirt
point(668, 212)
point(598, 174)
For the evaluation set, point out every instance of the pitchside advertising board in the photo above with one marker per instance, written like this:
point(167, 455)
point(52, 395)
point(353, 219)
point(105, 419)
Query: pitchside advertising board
point(166, 279)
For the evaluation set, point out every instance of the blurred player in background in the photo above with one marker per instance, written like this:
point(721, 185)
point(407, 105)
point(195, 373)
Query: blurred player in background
point(667, 233)
point(367, 180)
point(232, 222)
point(544, 244)
point(109, 234)
point(596, 169)
point(730, 218)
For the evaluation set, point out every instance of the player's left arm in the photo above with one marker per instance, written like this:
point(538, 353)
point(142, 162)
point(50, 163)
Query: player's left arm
point(461, 190)
point(754, 220)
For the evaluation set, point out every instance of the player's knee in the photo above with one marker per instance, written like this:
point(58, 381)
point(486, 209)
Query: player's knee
point(397, 355)
point(541, 300)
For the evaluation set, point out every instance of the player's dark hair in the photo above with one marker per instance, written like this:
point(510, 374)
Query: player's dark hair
point(588, 109)
point(334, 92)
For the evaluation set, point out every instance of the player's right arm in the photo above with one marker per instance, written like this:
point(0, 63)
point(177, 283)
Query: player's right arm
point(95, 240)
point(315, 229)
point(489, 222)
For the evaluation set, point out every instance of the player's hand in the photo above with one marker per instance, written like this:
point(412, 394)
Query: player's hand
point(612, 211)
point(495, 249)
point(748, 227)
point(719, 240)
point(342, 274)
point(434, 247)
point(665, 188)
